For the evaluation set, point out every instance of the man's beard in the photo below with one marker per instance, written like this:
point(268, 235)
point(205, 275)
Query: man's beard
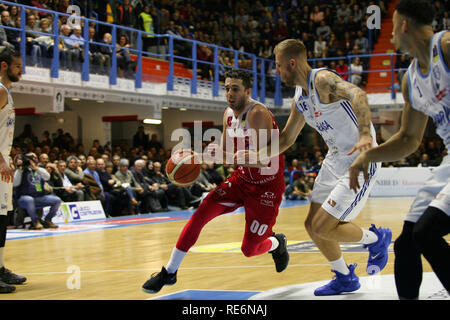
point(240, 105)
point(12, 78)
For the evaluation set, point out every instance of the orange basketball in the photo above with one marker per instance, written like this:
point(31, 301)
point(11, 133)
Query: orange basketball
point(183, 168)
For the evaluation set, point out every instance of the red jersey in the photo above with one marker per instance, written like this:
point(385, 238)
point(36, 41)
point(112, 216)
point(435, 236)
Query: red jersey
point(238, 130)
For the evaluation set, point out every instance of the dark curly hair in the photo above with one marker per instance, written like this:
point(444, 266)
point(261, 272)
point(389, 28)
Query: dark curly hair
point(421, 11)
point(240, 74)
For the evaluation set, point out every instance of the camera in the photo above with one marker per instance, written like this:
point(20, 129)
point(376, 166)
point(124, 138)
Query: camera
point(26, 158)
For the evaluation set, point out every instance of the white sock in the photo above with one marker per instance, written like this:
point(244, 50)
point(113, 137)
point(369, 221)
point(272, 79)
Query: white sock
point(339, 265)
point(368, 237)
point(175, 260)
point(2, 259)
point(275, 243)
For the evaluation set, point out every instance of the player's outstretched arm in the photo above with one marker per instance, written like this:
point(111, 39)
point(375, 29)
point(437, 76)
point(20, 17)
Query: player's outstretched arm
point(333, 88)
point(400, 145)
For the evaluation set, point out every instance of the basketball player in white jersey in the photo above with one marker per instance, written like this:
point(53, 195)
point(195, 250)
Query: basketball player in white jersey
point(10, 71)
point(426, 91)
point(339, 111)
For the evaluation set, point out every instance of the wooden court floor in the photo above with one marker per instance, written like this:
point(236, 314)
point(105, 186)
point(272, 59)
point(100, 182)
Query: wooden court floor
point(113, 263)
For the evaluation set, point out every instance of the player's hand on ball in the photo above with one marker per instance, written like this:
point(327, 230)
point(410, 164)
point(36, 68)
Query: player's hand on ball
point(361, 163)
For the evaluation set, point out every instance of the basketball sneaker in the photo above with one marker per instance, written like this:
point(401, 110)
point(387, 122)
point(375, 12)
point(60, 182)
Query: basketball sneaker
point(8, 277)
point(340, 283)
point(280, 255)
point(378, 251)
point(159, 280)
point(6, 288)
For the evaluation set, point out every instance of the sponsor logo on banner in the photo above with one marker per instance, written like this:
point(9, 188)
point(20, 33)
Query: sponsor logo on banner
point(78, 211)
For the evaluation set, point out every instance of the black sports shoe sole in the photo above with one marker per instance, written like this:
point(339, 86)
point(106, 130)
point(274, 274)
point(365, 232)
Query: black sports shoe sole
point(282, 244)
point(156, 291)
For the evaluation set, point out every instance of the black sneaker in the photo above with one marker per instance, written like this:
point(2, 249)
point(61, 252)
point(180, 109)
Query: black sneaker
point(158, 280)
point(8, 277)
point(280, 255)
point(6, 288)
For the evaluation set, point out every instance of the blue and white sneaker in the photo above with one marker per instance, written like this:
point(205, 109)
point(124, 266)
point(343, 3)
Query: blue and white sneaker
point(340, 283)
point(378, 251)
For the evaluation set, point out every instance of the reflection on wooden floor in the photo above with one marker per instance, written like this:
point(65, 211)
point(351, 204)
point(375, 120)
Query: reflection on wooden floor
point(114, 263)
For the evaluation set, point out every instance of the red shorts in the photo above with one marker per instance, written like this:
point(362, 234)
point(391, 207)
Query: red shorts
point(261, 203)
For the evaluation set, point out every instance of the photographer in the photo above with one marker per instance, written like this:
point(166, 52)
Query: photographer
point(29, 183)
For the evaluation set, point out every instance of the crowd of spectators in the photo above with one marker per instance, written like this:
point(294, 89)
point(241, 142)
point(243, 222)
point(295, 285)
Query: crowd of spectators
point(335, 28)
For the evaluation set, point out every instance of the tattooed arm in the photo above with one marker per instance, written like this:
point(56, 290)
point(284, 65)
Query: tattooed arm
point(332, 88)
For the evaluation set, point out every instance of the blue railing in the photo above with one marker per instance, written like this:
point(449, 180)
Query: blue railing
point(261, 68)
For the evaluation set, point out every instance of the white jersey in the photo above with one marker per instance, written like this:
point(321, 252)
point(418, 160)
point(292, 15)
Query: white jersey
point(7, 119)
point(336, 122)
point(430, 93)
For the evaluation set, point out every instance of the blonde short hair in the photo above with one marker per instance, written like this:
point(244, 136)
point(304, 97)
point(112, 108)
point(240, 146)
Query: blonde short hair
point(290, 48)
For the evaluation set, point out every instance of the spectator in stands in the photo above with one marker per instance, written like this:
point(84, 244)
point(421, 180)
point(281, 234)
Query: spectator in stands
point(212, 175)
point(150, 201)
point(108, 187)
point(140, 138)
point(160, 182)
point(177, 196)
point(425, 161)
point(317, 15)
point(356, 72)
point(44, 160)
point(32, 46)
point(324, 30)
point(339, 28)
point(75, 45)
point(204, 53)
point(299, 190)
point(344, 12)
point(124, 61)
point(63, 188)
point(362, 42)
point(280, 14)
point(8, 37)
point(146, 23)
point(295, 165)
point(100, 63)
point(203, 183)
point(332, 45)
point(266, 49)
point(267, 32)
point(104, 196)
point(320, 46)
point(342, 69)
point(132, 188)
point(106, 49)
point(347, 43)
point(29, 189)
point(280, 32)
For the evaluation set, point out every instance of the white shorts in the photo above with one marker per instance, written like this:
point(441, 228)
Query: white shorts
point(6, 192)
point(331, 189)
point(435, 192)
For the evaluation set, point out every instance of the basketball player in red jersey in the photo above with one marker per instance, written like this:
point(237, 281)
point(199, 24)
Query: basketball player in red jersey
point(260, 191)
